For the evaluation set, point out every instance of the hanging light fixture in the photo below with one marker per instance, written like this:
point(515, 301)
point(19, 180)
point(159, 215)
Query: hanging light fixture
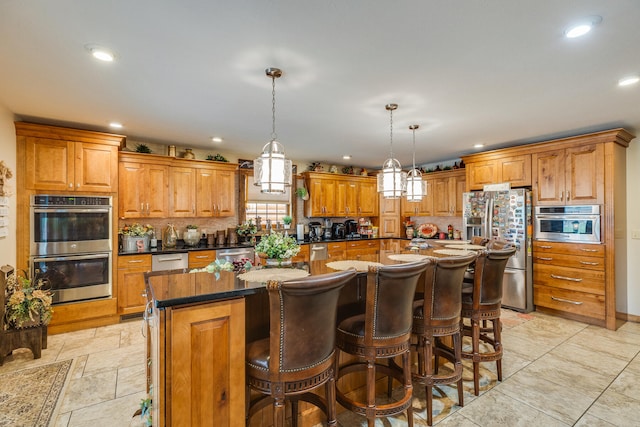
point(415, 186)
point(272, 171)
point(392, 181)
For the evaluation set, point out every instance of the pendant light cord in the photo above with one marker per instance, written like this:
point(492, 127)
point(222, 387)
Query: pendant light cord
point(391, 133)
point(274, 135)
point(414, 148)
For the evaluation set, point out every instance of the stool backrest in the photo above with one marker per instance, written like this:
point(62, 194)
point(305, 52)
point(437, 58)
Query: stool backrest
point(489, 273)
point(302, 315)
point(443, 287)
point(389, 298)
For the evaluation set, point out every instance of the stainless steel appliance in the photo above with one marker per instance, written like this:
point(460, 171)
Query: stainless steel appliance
point(236, 254)
point(351, 228)
point(319, 251)
point(71, 244)
point(338, 231)
point(164, 262)
point(579, 224)
point(328, 229)
point(505, 215)
point(315, 231)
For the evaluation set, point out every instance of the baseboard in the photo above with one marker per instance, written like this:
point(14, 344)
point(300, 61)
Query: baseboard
point(628, 317)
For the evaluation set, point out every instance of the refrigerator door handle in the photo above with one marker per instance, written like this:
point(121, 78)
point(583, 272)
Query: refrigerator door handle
point(488, 217)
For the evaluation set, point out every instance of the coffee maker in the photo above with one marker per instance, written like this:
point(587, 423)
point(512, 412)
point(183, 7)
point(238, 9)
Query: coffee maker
point(315, 231)
point(328, 229)
point(351, 229)
point(338, 231)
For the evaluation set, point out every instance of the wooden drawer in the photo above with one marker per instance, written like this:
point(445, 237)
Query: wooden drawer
point(366, 245)
point(580, 303)
point(335, 250)
point(142, 261)
point(540, 247)
point(199, 259)
point(303, 255)
point(564, 260)
point(575, 279)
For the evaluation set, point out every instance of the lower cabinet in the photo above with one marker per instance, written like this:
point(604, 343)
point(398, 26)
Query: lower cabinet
point(303, 255)
point(336, 251)
point(197, 364)
point(200, 259)
point(363, 250)
point(569, 278)
point(131, 286)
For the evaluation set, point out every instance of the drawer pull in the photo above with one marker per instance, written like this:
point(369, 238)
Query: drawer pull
point(546, 247)
point(567, 301)
point(571, 279)
point(588, 250)
point(544, 258)
point(201, 256)
point(135, 261)
point(589, 263)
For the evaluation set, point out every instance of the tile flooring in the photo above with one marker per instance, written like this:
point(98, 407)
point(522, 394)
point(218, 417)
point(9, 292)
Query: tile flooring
point(556, 372)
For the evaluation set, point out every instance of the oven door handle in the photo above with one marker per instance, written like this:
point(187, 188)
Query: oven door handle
point(71, 258)
point(72, 210)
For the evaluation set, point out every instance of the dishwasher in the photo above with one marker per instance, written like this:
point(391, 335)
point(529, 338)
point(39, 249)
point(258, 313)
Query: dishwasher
point(319, 251)
point(235, 254)
point(163, 262)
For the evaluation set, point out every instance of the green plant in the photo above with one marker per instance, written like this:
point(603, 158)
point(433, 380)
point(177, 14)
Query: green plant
point(215, 267)
point(287, 219)
point(277, 246)
point(301, 192)
point(192, 227)
point(143, 148)
point(28, 301)
point(218, 157)
point(136, 229)
point(246, 228)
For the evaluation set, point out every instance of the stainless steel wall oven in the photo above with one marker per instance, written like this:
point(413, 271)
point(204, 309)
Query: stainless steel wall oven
point(577, 224)
point(71, 244)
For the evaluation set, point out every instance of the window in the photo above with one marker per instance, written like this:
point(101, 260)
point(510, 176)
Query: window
point(272, 211)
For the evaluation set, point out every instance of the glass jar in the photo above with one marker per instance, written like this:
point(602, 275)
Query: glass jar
point(169, 237)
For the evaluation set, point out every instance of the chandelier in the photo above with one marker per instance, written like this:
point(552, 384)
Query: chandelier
point(415, 186)
point(392, 181)
point(272, 170)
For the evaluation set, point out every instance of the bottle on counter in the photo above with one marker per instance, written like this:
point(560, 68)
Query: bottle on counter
point(170, 236)
point(450, 232)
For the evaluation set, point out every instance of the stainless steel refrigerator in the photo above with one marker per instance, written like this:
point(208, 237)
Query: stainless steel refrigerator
point(505, 215)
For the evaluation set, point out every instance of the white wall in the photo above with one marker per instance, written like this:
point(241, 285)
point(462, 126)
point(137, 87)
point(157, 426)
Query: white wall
point(633, 223)
point(8, 155)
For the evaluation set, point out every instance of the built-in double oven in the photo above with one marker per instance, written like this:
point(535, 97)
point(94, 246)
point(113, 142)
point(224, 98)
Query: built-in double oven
point(71, 245)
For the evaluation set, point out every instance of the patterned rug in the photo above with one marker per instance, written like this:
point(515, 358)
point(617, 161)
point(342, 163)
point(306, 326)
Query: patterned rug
point(28, 397)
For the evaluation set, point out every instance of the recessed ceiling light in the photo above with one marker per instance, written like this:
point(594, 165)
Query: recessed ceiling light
point(216, 139)
point(478, 145)
point(100, 53)
point(629, 80)
point(583, 27)
point(347, 157)
point(115, 125)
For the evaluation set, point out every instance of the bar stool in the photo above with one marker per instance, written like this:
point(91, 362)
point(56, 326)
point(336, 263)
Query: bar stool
point(437, 315)
point(383, 331)
point(482, 303)
point(299, 354)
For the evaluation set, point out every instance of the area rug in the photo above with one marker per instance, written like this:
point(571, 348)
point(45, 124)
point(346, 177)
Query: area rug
point(28, 397)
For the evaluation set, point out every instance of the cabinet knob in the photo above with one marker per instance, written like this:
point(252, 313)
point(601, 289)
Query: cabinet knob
point(71, 185)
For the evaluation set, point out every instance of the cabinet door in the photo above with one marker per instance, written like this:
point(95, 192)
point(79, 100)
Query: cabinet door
point(346, 198)
point(389, 206)
point(482, 173)
point(131, 286)
point(182, 192)
point(584, 175)
point(459, 186)
point(548, 177)
point(132, 184)
point(322, 198)
point(367, 198)
point(389, 226)
point(49, 164)
point(515, 170)
point(205, 189)
point(441, 197)
point(96, 167)
point(225, 194)
point(207, 365)
point(157, 200)
point(199, 259)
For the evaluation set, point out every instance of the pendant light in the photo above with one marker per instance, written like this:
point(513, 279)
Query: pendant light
point(392, 181)
point(272, 171)
point(415, 186)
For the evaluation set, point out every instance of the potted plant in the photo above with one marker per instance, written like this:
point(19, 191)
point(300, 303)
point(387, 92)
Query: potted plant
point(286, 220)
point(135, 237)
point(247, 228)
point(277, 248)
point(28, 301)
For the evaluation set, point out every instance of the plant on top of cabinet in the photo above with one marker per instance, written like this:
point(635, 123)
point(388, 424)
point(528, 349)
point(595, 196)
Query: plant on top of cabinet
point(143, 148)
point(218, 157)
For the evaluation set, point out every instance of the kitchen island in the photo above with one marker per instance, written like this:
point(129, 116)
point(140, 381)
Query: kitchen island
point(198, 326)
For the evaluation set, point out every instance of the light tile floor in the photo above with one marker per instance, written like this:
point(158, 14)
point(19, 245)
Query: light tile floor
point(556, 372)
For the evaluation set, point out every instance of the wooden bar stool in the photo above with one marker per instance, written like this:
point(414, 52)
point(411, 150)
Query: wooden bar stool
point(437, 315)
point(481, 303)
point(383, 331)
point(299, 354)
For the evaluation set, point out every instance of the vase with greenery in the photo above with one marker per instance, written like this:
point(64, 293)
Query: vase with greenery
point(247, 228)
point(286, 220)
point(136, 237)
point(28, 302)
point(191, 237)
point(277, 248)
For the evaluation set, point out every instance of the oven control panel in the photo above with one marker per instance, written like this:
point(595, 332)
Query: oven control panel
point(47, 200)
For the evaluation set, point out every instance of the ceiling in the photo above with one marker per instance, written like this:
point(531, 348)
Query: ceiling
point(495, 72)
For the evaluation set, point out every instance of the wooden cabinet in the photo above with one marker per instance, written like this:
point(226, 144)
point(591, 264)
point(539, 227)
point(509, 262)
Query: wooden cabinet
point(340, 195)
point(197, 364)
point(515, 170)
point(364, 250)
point(447, 193)
point(131, 286)
point(303, 255)
point(569, 176)
point(200, 259)
point(570, 278)
point(389, 221)
point(421, 208)
point(143, 188)
point(60, 159)
point(215, 191)
point(182, 191)
point(336, 251)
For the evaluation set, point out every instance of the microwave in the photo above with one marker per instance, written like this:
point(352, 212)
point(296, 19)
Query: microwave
point(574, 224)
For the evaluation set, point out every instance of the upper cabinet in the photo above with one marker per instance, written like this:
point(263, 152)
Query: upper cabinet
point(421, 208)
point(515, 170)
point(570, 176)
point(61, 159)
point(340, 195)
point(447, 193)
point(162, 187)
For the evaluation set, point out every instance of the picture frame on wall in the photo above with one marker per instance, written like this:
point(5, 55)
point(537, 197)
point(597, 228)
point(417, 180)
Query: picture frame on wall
point(245, 164)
